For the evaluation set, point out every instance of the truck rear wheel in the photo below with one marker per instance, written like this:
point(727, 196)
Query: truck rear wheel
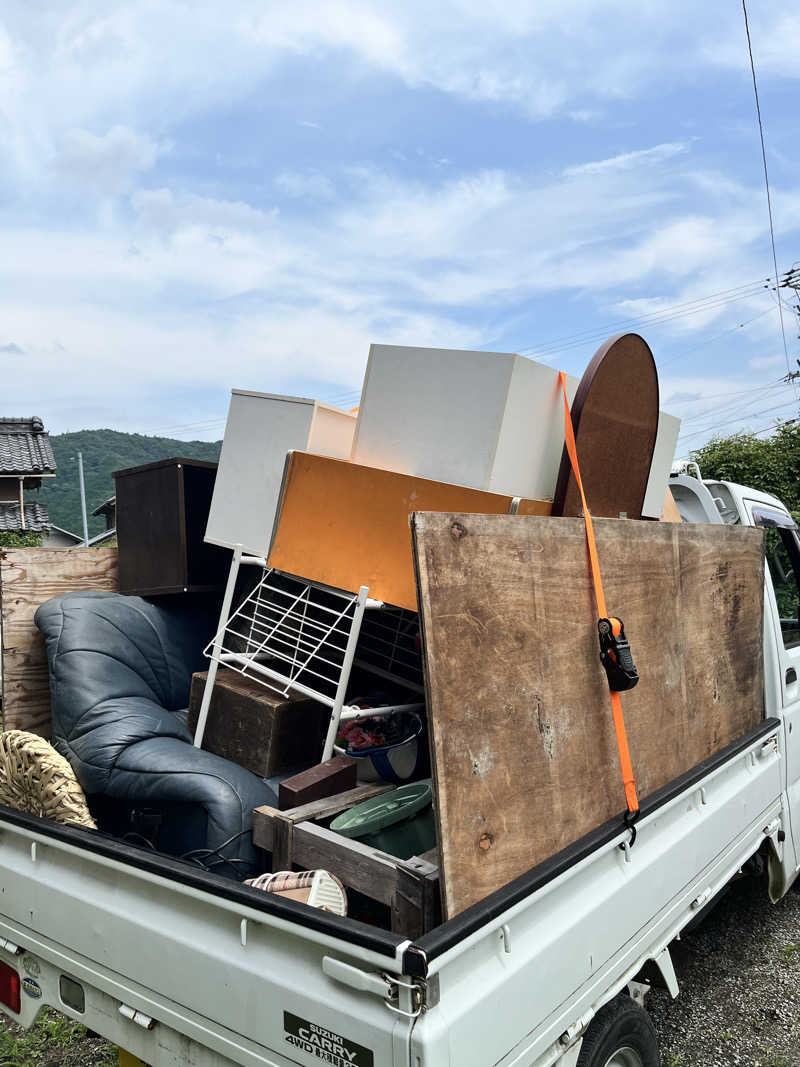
point(620, 1035)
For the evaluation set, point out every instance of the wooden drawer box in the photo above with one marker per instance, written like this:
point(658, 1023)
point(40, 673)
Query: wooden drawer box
point(256, 728)
point(162, 509)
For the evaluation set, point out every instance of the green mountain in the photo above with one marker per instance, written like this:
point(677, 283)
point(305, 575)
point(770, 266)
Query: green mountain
point(104, 451)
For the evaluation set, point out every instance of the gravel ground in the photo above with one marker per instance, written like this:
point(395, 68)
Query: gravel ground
point(739, 977)
point(739, 1003)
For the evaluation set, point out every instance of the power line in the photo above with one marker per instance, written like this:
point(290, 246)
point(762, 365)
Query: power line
point(766, 179)
point(654, 318)
point(690, 307)
point(741, 409)
point(739, 418)
point(711, 340)
point(206, 424)
point(772, 426)
point(342, 398)
point(735, 400)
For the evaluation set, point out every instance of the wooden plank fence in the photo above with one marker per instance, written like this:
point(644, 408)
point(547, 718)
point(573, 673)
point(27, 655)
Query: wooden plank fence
point(29, 577)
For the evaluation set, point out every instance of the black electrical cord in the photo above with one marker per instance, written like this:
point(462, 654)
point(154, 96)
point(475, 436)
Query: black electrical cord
point(210, 858)
point(138, 839)
point(215, 851)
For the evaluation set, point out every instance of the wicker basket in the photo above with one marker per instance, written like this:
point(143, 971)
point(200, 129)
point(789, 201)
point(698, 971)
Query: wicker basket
point(36, 779)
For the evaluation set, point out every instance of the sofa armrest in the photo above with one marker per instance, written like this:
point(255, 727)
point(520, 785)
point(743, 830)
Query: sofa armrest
point(101, 735)
point(164, 772)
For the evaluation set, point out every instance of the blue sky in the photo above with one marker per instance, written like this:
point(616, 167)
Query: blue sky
point(195, 197)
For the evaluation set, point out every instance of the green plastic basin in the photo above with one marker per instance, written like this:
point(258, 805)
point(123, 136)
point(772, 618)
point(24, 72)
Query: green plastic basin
point(400, 823)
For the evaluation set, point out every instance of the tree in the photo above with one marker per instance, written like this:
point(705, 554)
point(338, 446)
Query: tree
point(771, 464)
point(20, 539)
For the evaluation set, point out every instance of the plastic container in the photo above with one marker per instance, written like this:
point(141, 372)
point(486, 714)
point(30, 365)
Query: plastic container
point(400, 823)
point(395, 763)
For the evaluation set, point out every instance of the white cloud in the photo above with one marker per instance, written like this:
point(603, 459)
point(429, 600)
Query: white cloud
point(766, 362)
point(162, 211)
point(88, 66)
point(6, 50)
point(219, 292)
point(309, 185)
point(645, 156)
point(776, 43)
point(176, 281)
point(210, 289)
point(109, 161)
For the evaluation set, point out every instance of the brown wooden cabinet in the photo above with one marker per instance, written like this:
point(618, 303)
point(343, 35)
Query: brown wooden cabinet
point(162, 510)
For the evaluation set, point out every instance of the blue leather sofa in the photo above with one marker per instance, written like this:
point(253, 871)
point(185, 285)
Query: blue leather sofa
point(120, 672)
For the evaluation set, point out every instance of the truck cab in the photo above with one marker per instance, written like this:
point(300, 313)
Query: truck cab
point(715, 501)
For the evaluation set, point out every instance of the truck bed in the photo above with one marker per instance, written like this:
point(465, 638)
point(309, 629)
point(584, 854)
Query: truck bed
point(222, 973)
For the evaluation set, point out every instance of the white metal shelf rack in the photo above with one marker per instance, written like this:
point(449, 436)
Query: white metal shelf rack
point(293, 635)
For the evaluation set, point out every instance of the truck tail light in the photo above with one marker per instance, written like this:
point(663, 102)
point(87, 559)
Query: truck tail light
point(9, 988)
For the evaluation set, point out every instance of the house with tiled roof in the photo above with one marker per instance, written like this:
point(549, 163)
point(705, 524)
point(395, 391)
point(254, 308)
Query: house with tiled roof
point(108, 509)
point(26, 457)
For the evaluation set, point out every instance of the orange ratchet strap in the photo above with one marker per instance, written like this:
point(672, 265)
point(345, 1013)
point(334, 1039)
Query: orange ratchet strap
point(626, 767)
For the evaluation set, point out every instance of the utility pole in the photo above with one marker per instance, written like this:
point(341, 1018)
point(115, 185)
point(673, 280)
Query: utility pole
point(791, 280)
point(83, 501)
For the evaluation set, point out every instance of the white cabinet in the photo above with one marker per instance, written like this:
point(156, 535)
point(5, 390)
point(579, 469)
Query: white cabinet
point(260, 430)
point(663, 455)
point(489, 420)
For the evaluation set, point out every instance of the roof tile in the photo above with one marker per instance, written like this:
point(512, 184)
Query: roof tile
point(25, 447)
point(36, 518)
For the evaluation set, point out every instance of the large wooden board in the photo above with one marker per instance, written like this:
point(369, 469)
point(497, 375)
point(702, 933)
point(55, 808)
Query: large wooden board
point(523, 749)
point(346, 525)
point(28, 577)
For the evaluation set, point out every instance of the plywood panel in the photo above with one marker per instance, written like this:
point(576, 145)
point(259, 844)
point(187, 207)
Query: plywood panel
point(346, 525)
point(524, 755)
point(29, 577)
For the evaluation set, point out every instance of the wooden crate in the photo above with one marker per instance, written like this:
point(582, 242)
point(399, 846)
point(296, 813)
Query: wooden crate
point(409, 888)
point(162, 510)
point(261, 730)
point(29, 577)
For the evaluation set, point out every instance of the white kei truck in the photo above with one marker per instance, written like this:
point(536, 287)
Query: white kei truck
point(181, 967)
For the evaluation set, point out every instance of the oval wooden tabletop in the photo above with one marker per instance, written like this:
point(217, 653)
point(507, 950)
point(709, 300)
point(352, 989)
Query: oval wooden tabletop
point(615, 420)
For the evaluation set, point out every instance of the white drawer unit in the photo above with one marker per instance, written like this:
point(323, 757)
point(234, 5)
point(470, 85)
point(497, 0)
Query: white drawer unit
point(261, 429)
point(488, 420)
